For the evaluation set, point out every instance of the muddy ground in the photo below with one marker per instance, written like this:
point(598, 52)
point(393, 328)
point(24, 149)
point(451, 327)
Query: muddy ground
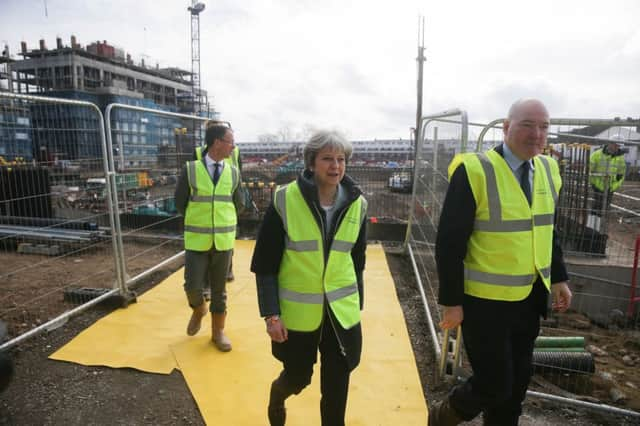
point(45, 392)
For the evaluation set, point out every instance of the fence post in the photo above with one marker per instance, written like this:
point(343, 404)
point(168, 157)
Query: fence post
point(634, 279)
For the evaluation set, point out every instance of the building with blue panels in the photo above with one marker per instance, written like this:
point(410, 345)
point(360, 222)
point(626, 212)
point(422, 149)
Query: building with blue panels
point(16, 140)
point(100, 74)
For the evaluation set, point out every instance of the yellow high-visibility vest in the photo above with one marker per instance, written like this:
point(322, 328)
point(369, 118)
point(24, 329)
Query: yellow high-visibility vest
point(605, 166)
point(211, 215)
point(511, 242)
point(305, 281)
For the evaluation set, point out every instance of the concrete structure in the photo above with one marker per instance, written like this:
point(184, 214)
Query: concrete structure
point(99, 69)
point(101, 74)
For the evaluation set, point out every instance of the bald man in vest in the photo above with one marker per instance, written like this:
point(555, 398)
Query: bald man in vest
point(498, 259)
point(208, 196)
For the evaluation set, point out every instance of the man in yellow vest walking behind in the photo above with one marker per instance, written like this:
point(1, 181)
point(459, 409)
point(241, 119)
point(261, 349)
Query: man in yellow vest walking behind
point(208, 196)
point(498, 259)
point(234, 160)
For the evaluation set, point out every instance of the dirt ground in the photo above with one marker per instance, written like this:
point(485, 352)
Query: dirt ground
point(46, 392)
point(537, 412)
point(33, 290)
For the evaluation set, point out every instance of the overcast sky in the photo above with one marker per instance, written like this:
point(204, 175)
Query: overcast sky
point(300, 64)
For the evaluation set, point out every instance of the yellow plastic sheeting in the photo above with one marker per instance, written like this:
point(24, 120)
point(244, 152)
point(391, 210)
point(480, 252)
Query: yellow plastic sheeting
point(138, 336)
point(233, 388)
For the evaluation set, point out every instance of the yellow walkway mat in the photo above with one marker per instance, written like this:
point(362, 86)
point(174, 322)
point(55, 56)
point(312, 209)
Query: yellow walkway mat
point(150, 336)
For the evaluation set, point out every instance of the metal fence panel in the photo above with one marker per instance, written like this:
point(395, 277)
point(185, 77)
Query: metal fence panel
point(56, 248)
point(599, 253)
point(387, 189)
point(150, 148)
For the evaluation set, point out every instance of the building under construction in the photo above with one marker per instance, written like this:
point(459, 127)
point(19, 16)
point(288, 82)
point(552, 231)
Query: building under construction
point(102, 74)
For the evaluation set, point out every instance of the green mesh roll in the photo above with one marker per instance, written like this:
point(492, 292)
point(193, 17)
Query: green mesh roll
point(537, 349)
point(559, 342)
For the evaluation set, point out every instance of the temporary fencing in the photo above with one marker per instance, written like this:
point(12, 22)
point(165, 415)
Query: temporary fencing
point(50, 231)
point(83, 219)
point(387, 189)
point(151, 147)
point(87, 209)
point(570, 364)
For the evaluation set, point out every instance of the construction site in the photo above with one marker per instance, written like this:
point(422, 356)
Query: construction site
point(92, 255)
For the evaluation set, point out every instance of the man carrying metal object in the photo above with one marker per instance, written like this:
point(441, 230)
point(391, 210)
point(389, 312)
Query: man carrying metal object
point(497, 259)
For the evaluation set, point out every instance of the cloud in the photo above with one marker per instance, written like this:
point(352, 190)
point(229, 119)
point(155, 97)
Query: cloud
point(352, 64)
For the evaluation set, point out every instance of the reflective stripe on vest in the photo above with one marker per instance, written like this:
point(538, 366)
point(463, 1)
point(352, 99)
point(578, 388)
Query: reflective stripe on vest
point(305, 281)
point(210, 219)
point(511, 242)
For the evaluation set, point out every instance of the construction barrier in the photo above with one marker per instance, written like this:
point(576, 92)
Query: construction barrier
point(53, 242)
point(598, 241)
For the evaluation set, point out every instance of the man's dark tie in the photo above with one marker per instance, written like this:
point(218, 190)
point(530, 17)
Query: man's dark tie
point(524, 180)
point(216, 172)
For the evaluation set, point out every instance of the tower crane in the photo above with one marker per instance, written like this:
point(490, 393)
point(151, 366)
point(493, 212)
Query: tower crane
point(195, 9)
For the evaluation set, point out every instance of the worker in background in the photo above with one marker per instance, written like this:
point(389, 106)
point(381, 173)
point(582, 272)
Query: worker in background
point(208, 196)
point(308, 260)
point(234, 160)
point(606, 175)
point(497, 259)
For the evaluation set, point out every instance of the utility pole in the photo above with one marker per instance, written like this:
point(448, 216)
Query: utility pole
point(420, 59)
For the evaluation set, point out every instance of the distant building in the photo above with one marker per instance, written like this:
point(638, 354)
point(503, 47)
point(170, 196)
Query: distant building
point(363, 150)
point(101, 74)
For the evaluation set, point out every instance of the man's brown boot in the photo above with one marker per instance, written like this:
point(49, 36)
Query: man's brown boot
point(196, 319)
point(218, 337)
point(442, 414)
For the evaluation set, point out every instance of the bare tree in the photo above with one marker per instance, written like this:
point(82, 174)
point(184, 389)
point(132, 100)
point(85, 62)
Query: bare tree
point(268, 137)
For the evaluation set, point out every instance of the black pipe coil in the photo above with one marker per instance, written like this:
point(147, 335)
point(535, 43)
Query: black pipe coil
point(568, 362)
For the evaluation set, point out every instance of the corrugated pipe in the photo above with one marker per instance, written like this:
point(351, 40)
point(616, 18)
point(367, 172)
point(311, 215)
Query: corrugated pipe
point(569, 362)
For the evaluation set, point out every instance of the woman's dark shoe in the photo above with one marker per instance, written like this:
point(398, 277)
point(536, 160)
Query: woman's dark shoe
point(276, 411)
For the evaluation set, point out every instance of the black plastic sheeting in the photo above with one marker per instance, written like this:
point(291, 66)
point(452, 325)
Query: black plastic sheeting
point(49, 223)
